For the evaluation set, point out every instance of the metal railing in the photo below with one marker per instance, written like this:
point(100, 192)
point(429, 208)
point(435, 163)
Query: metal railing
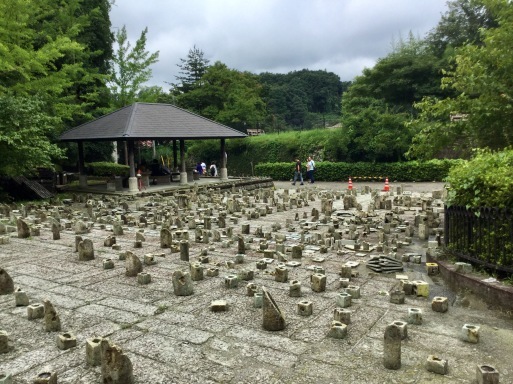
point(481, 236)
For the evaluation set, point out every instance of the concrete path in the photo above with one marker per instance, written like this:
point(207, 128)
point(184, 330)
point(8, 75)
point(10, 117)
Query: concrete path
point(172, 339)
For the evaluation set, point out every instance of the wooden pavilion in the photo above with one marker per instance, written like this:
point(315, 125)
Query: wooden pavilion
point(150, 121)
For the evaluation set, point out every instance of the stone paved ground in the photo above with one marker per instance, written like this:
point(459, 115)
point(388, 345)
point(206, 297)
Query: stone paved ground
point(172, 339)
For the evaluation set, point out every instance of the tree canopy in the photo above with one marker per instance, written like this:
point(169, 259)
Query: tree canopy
point(482, 80)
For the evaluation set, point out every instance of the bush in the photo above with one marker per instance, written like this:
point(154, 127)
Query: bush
point(485, 180)
point(106, 169)
point(433, 170)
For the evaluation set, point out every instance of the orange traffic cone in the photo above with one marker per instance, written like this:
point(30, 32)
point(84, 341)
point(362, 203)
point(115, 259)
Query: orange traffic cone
point(350, 186)
point(387, 187)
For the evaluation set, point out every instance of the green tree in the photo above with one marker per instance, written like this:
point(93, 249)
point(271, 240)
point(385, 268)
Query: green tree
point(460, 25)
point(482, 80)
point(40, 62)
point(131, 68)
point(191, 70)
point(227, 96)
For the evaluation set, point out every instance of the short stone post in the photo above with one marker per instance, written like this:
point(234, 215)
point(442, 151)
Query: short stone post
point(184, 250)
point(52, 320)
point(273, 319)
point(116, 366)
point(392, 347)
point(182, 283)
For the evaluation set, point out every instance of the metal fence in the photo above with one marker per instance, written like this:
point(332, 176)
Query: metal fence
point(481, 236)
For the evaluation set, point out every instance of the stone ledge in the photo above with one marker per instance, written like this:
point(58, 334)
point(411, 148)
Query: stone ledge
point(496, 295)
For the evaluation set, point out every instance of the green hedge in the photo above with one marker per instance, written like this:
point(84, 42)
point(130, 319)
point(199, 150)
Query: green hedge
point(432, 170)
point(107, 169)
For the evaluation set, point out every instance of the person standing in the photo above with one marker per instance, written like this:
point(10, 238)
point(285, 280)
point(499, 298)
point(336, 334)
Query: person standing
point(204, 168)
point(310, 168)
point(213, 169)
point(298, 173)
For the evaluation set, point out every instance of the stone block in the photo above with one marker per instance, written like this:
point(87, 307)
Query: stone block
point(108, 264)
point(231, 281)
point(304, 308)
point(93, 351)
point(414, 316)
point(420, 288)
point(218, 306)
point(470, 333)
point(353, 290)
point(295, 288)
point(486, 374)
point(4, 342)
point(432, 269)
point(436, 364)
point(20, 298)
point(397, 297)
point(281, 274)
point(318, 282)
point(343, 300)
point(149, 259)
point(342, 315)
point(337, 330)
point(46, 378)
point(143, 278)
point(66, 340)
point(258, 299)
point(35, 311)
point(403, 328)
point(440, 304)
point(343, 282)
point(212, 272)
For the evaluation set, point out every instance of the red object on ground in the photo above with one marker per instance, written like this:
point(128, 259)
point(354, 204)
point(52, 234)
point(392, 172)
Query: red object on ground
point(387, 187)
point(350, 186)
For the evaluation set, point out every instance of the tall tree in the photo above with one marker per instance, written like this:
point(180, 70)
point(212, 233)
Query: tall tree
point(36, 75)
point(483, 82)
point(191, 70)
point(131, 68)
point(227, 96)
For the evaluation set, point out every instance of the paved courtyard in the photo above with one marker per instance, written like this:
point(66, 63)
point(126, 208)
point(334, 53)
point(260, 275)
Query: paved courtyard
point(178, 339)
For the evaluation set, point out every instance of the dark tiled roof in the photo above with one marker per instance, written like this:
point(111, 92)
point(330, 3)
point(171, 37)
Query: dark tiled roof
point(150, 121)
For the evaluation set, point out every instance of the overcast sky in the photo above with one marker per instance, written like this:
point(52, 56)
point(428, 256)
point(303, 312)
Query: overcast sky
point(278, 36)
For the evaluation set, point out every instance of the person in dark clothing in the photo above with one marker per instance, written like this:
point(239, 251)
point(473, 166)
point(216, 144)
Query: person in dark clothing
point(199, 168)
point(297, 173)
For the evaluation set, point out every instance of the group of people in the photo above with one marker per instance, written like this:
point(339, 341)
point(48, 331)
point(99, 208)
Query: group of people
point(201, 168)
point(310, 169)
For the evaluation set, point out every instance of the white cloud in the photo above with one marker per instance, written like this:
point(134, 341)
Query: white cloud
point(341, 36)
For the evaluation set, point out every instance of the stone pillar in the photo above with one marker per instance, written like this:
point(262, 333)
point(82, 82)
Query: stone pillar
point(183, 170)
point(223, 171)
point(116, 366)
point(273, 319)
point(52, 320)
point(184, 250)
point(392, 347)
point(175, 156)
point(132, 180)
point(82, 176)
point(6, 283)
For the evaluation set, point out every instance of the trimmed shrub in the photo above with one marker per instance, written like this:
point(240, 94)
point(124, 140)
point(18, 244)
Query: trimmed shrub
point(486, 180)
point(432, 170)
point(107, 169)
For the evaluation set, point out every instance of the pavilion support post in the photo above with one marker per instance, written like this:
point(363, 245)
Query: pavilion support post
point(183, 170)
point(175, 156)
point(82, 175)
point(223, 171)
point(132, 180)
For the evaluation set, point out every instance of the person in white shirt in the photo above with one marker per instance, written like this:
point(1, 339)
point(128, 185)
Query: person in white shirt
point(213, 169)
point(204, 167)
point(310, 168)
